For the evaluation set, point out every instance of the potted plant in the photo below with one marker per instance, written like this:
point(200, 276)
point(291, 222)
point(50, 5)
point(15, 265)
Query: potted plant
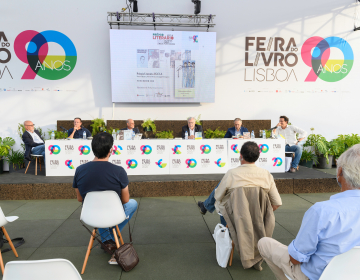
point(58, 134)
point(5, 146)
point(149, 125)
point(15, 160)
point(321, 149)
point(98, 125)
point(167, 134)
point(214, 133)
point(308, 159)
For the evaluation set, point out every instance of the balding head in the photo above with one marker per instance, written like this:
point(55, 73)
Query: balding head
point(29, 126)
point(130, 124)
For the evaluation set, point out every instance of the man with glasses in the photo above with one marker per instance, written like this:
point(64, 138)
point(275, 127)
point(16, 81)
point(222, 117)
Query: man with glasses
point(34, 144)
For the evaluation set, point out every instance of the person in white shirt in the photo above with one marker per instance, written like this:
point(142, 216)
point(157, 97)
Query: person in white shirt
point(34, 144)
point(288, 132)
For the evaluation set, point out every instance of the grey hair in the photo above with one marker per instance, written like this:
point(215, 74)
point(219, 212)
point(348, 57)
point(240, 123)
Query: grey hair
point(190, 118)
point(128, 120)
point(349, 161)
point(237, 119)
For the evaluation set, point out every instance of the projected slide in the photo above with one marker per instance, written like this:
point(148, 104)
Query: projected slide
point(162, 66)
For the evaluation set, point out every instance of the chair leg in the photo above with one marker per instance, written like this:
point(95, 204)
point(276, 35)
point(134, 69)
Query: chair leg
point(40, 163)
point(27, 166)
point(92, 238)
point(10, 242)
point(36, 166)
point(119, 233)
point(232, 253)
point(1, 264)
point(116, 239)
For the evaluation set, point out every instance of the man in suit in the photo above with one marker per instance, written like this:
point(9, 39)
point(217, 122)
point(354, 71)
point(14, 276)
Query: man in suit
point(78, 130)
point(130, 125)
point(237, 129)
point(34, 144)
point(191, 128)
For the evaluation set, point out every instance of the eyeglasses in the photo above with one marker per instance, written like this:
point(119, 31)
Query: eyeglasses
point(30, 125)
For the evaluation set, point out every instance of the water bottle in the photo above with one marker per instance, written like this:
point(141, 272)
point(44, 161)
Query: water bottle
point(114, 135)
point(53, 135)
point(264, 134)
point(84, 135)
point(133, 135)
point(186, 135)
point(252, 135)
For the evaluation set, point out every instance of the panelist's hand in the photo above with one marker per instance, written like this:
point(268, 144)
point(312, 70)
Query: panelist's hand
point(76, 128)
point(192, 137)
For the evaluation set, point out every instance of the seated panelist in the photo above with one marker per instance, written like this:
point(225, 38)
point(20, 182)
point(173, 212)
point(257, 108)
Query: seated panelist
point(237, 129)
point(130, 125)
point(78, 130)
point(191, 128)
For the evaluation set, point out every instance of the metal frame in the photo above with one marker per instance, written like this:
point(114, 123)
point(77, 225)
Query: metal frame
point(152, 19)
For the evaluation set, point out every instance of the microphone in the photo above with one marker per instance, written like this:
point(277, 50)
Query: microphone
point(63, 128)
point(275, 127)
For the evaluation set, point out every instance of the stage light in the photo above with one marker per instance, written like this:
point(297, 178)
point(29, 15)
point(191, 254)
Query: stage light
point(135, 5)
point(197, 6)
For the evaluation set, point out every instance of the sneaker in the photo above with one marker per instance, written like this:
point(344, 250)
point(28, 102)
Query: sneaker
point(202, 207)
point(292, 170)
point(297, 168)
point(112, 260)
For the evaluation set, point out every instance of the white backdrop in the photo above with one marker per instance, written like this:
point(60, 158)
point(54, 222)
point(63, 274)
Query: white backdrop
point(330, 107)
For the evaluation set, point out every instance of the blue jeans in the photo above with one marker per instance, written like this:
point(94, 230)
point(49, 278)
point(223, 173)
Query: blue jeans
point(129, 208)
point(39, 150)
point(209, 204)
point(298, 152)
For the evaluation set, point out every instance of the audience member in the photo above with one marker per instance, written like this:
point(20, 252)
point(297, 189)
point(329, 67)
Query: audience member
point(329, 228)
point(101, 175)
point(246, 175)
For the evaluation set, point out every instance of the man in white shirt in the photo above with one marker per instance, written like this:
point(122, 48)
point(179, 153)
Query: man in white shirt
point(288, 132)
point(34, 144)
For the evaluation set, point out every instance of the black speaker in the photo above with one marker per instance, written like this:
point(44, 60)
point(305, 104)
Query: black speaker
point(135, 7)
point(197, 7)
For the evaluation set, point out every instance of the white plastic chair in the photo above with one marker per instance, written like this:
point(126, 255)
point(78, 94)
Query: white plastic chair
point(3, 221)
point(55, 269)
point(344, 266)
point(102, 210)
point(36, 161)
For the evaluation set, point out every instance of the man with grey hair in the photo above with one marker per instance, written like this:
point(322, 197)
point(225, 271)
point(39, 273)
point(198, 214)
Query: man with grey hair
point(34, 144)
point(130, 125)
point(191, 128)
point(237, 130)
point(328, 229)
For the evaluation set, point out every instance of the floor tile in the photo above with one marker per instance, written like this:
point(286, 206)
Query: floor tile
point(46, 209)
point(168, 206)
point(168, 229)
point(34, 232)
point(292, 203)
point(177, 261)
point(290, 221)
point(331, 171)
point(315, 197)
point(280, 232)
point(8, 206)
point(97, 266)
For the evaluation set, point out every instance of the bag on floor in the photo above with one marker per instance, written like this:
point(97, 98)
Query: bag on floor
point(223, 245)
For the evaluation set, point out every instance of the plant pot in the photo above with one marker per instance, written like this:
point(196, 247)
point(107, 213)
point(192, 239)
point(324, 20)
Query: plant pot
point(334, 161)
point(308, 164)
point(148, 128)
point(323, 164)
point(15, 167)
point(1, 166)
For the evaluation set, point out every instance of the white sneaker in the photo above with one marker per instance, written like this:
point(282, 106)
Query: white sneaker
point(112, 260)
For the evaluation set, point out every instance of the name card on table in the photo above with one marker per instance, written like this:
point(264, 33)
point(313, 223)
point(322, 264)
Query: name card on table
point(198, 135)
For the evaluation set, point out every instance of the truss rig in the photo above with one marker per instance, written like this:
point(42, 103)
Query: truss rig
point(152, 19)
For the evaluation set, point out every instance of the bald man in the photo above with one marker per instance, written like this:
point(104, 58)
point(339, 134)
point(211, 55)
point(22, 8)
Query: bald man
point(130, 125)
point(34, 144)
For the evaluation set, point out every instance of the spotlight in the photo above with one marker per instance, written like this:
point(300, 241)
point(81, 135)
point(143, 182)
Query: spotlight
point(197, 6)
point(135, 6)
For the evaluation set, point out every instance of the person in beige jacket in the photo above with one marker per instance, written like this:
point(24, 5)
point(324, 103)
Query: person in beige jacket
point(246, 175)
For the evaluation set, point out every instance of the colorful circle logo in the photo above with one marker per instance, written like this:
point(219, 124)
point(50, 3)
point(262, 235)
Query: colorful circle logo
point(234, 148)
point(330, 59)
point(219, 163)
point(116, 150)
point(54, 149)
point(176, 149)
point(263, 148)
point(131, 163)
point(190, 163)
point(160, 164)
point(69, 164)
point(205, 149)
point(32, 48)
point(84, 150)
point(146, 149)
point(277, 161)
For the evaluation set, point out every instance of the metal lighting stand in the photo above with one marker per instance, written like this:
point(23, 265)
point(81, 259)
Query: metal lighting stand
point(152, 19)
